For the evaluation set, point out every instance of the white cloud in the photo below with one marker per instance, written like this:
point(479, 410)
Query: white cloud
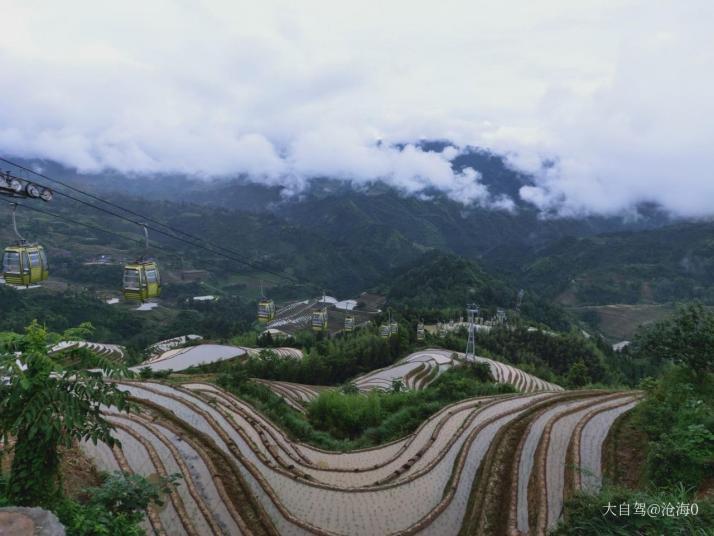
point(618, 94)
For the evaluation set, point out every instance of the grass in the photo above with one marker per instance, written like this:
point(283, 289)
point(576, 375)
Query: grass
point(587, 515)
point(340, 421)
point(623, 462)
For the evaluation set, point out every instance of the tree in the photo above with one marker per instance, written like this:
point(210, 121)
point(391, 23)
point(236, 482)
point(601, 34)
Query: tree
point(45, 405)
point(129, 495)
point(349, 388)
point(117, 507)
point(578, 374)
point(688, 338)
point(397, 385)
point(480, 371)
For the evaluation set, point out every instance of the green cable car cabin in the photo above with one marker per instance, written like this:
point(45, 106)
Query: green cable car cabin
point(24, 265)
point(266, 310)
point(141, 281)
point(319, 320)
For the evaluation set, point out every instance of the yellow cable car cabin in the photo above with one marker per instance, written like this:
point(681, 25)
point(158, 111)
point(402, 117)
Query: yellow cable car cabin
point(266, 310)
point(349, 323)
point(141, 281)
point(319, 320)
point(24, 265)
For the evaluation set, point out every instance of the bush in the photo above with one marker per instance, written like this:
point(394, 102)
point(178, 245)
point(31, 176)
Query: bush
point(587, 515)
point(329, 361)
point(92, 520)
point(130, 494)
point(147, 373)
point(678, 418)
point(688, 338)
point(345, 416)
point(383, 416)
point(236, 375)
point(343, 419)
point(113, 509)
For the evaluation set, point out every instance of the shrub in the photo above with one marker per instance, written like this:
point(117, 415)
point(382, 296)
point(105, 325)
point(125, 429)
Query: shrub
point(587, 515)
point(383, 416)
point(113, 509)
point(343, 419)
point(345, 415)
point(147, 373)
point(678, 418)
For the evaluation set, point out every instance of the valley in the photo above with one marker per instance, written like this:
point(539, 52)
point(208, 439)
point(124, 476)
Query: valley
point(353, 394)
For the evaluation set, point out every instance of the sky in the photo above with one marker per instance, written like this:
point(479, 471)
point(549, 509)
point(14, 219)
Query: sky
point(616, 96)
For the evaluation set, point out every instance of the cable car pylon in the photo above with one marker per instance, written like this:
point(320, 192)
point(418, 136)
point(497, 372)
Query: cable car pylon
point(470, 355)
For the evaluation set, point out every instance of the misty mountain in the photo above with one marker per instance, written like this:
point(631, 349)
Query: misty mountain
point(246, 193)
point(347, 237)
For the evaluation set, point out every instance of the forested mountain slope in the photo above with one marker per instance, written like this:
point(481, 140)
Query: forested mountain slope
point(655, 266)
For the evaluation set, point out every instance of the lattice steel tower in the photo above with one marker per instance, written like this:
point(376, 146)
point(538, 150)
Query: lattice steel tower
point(472, 310)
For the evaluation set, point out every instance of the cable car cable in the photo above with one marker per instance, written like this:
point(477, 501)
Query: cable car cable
point(147, 218)
point(14, 223)
point(101, 229)
point(87, 225)
point(164, 233)
point(96, 228)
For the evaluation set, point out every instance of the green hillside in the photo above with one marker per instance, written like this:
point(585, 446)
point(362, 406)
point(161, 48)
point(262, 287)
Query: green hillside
point(672, 263)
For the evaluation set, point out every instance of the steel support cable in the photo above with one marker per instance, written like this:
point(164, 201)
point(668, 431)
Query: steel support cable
point(147, 218)
point(83, 224)
point(110, 203)
point(96, 228)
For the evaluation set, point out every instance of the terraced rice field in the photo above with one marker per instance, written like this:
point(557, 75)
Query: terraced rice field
point(243, 475)
point(160, 347)
point(421, 368)
point(416, 371)
point(293, 315)
point(295, 394)
point(287, 352)
point(109, 351)
point(183, 358)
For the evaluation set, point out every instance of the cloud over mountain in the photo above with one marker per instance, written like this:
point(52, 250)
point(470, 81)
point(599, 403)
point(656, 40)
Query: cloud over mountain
point(616, 97)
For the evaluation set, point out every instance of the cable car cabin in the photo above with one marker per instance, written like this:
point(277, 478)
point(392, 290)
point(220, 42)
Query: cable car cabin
point(420, 334)
point(141, 281)
point(349, 323)
point(24, 265)
point(266, 310)
point(384, 330)
point(319, 320)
